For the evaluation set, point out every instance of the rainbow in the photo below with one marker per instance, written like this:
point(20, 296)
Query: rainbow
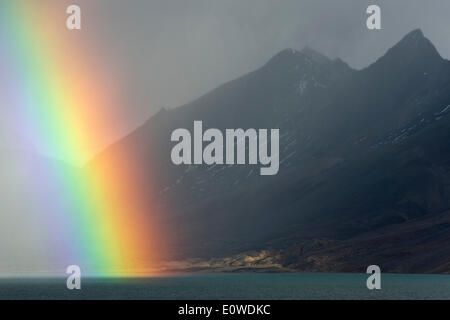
point(65, 97)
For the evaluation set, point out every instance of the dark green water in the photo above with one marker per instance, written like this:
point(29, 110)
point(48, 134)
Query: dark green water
point(234, 286)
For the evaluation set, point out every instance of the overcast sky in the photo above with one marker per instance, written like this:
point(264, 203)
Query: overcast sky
point(166, 53)
point(172, 51)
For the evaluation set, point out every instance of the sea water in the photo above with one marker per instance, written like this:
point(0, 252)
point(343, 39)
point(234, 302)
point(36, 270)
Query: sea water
point(233, 286)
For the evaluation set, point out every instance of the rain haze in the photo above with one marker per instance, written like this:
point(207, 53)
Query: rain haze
point(169, 52)
point(174, 51)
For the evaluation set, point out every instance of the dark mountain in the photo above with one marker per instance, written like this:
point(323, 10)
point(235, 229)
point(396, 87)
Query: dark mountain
point(364, 165)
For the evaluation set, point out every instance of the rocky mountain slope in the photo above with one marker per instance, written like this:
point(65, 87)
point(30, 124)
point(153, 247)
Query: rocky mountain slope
point(364, 165)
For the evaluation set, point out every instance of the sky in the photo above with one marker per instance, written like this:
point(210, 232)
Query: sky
point(173, 51)
point(166, 53)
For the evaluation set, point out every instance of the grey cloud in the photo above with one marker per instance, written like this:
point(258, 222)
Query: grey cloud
point(173, 51)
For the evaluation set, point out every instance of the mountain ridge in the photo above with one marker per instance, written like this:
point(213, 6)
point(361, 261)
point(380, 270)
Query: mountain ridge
point(355, 159)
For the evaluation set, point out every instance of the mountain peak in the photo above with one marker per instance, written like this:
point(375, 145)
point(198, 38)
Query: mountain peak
point(285, 58)
point(315, 55)
point(415, 34)
point(413, 52)
point(294, 57)
point(416, 44)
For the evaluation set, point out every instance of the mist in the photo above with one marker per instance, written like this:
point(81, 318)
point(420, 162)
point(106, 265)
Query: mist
point(174, 51)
